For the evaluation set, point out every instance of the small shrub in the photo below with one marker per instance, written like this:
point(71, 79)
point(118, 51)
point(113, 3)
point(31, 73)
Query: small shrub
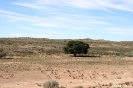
point(128, 54)
point(110, 84)
point(79, 87)
point(119, 77)
point(127, 83)
point(51, 84)
point(62, 87)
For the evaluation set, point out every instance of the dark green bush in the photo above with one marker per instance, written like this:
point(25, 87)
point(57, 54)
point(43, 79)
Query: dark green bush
point(76, 47)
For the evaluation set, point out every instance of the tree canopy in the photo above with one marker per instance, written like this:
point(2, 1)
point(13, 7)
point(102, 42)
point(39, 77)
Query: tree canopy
point(76, 47)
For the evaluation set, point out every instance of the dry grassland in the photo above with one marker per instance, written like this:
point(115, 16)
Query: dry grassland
point(30, 63)
point(98, 72)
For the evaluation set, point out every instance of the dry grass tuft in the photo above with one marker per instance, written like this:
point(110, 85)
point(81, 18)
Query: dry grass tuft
point(51, 84)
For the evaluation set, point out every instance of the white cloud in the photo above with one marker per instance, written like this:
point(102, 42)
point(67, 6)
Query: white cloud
point(30, 5)
point(69, 21)
point(98, 22)
point(12, 16)
point(12, 21)
point(9, 13)
point(55, 15)
point(125, 5)
point(25, 28)
point(41, 6)
point(48, 25)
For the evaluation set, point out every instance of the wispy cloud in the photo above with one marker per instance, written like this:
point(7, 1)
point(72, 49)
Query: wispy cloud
point(59, 21)
point(8, 12)
point(19, 17)
point(92, 4)
point(56, 7)
point(12, 21)
point(42, 7)
point(50, 25)
point(25, 28)
point(51, 18)
point(30, 5)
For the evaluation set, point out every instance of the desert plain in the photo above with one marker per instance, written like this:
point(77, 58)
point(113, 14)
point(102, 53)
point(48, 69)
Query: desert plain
point(97, 70)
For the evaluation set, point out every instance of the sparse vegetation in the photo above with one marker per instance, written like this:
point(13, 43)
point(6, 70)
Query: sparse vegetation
point(51, 84)
point(23, 47)
point(46, 58)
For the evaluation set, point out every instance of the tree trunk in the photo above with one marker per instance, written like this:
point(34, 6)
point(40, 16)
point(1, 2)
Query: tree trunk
point(74, 54)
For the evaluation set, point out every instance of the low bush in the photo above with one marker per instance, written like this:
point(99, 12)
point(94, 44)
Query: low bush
point(51, 84)
point(79, 87)
point(128, 55)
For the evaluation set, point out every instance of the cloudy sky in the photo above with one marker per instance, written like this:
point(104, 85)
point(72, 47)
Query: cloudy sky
point(67, 19)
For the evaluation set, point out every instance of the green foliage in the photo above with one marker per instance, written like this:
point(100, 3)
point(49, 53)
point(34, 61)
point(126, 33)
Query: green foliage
point(51, 84)
point(76, 47)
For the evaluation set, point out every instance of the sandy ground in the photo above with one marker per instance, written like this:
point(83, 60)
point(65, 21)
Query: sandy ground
point(87, 76)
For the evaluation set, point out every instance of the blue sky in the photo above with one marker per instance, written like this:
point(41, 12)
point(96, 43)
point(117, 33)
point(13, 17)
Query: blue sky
point(67, 19)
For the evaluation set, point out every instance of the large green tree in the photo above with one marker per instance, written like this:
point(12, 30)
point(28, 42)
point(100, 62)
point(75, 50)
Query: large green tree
point(76, 47)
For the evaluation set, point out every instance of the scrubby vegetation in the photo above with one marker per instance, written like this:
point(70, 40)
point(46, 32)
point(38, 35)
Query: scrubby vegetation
point(47, 60)
point(23, 47)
